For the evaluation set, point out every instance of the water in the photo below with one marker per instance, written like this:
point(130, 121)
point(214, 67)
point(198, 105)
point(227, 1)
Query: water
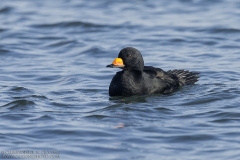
point(54, 83)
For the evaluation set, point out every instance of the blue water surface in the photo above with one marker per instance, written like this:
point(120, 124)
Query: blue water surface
point(54, 81)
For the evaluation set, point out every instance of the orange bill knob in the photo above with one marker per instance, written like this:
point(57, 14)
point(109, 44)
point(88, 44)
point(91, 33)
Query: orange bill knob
point(117, 63)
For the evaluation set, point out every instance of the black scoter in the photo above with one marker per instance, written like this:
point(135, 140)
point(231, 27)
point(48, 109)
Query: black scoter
point(137, 79)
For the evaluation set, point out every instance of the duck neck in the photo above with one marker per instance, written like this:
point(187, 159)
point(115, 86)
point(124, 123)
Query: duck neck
point(136, 66)
point(136, 75)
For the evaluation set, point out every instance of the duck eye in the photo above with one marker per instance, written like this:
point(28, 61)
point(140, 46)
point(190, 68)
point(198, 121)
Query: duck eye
point(129, 55)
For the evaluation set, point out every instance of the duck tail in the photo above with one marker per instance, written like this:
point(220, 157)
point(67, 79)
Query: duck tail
point(185, 77)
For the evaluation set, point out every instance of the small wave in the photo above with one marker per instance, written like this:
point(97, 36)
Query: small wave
point(164, 110)
point(224, 30)
point(6, 10)
point(93, 51)
point(68, 24)
point(226, 120)
point(61, 43)
point(43, 118)
point(201, 2)
point(192, 138)
point(2, 30)
point(177, 40)
point(225, 117)
point(20, 89)
point(17, 91)
point(4, 52)
point(208, 55)
point(132, 99)
point(31, 97)
point(215, 30)
point(97, 117)
point(229, 47)
point(222, 114)
point(19, 105)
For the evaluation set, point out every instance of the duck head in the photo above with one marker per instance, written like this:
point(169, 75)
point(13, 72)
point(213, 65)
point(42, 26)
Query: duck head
point(129, 58)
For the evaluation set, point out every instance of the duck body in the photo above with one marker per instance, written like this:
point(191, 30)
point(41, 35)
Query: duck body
point(137, 79)
point(129, 83)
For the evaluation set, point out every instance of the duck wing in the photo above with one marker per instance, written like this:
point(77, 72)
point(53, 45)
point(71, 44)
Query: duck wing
point(167, 80)
point(159, 73)
point(183, 77)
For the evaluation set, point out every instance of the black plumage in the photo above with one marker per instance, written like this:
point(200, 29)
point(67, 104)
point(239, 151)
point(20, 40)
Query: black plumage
point(137, 79)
